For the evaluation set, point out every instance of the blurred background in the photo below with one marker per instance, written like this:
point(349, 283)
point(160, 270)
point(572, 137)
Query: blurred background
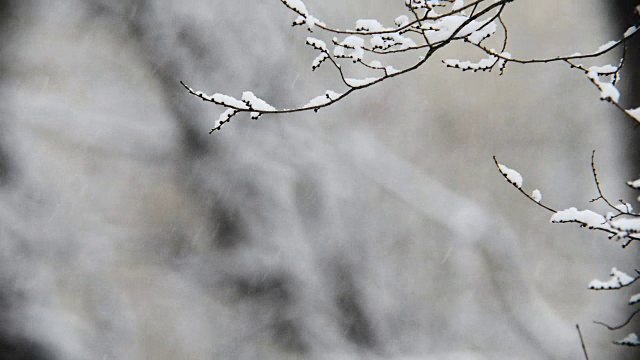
point(378, 228)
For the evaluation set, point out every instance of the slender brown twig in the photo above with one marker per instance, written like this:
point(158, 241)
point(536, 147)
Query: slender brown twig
point(584, 348)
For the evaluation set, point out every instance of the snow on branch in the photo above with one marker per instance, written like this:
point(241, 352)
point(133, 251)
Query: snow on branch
point(621, 223)
point(617, 280)
point(428, 26)
point(629, 340)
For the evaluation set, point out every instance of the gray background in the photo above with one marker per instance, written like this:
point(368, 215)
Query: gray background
point(376, 228)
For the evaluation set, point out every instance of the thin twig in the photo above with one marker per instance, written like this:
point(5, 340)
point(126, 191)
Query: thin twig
point(621, 325)
point(601, 194)
point(522, 191)
point(584, 348)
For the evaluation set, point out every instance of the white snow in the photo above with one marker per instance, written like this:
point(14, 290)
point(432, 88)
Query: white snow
point(224, 118)
point(628, 225)
point(402, 42)
point(630, 340)
point(513, 176)
point(312, 21)
point(390, 70)
point(323, 99)
point(636, 183)
point(605, 69)
point(505, 55)
point(401, 20)
point(536, 195)
point(318, 60)
point(634, 299)
point(297, 5)
point(634, 113)
point(442, 29)
point(483, 33)
point(617, 280)
point(255, 102)
point(360, 82)
point(369, 25)
point(607, 90)
point(625, 208)
point(351, 42)
point(377, 41)
point(228, 101)
point(630, 31)
point(468, 65)
point(457, 5)
point(588, 217)
point(317, 43)
point(606, 46)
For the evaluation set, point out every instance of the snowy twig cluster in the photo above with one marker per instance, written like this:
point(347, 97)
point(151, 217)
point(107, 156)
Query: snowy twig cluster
point(426, 27)
point(620, 222)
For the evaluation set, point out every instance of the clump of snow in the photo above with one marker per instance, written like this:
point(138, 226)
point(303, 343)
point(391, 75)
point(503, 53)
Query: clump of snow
point(402, 20)
point(390, 70)
point(369, 25)
point(627, 225)
point(483, 64)
point(630, 31)
point(634, 113)
point(608, 91)
point(605, 69)
point(513, 176)
point(636, 183)
point(477, 36)
point(629, 340)
point(624, 208)
point(589, 218)
point(297, 6)
point(536, 195)
point(391, 40)
point(360, 82)
point(634, 299)
point(318, 60)
point(323, 99)
point(317, 43)
point(350, 42)
point(227, 100)
point(617, 280)
point(421, 4)
point(444, 28)
point(607, 46)
point(307, 19)
point(219, 99)
point(402, 42)
point(255, 103)
point(224, 118)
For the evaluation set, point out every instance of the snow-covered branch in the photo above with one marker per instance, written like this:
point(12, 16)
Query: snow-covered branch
point(622, 223)
point(428, 26)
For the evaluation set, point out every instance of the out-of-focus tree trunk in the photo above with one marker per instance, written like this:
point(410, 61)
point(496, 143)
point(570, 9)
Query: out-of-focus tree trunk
point(624, 15)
